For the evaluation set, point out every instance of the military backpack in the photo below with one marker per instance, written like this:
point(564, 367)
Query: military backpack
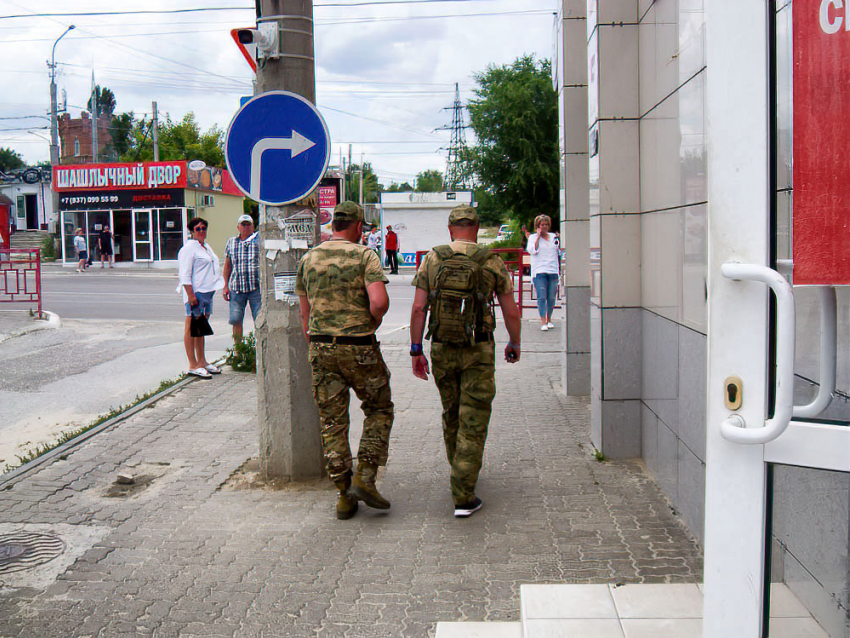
point(461, 297)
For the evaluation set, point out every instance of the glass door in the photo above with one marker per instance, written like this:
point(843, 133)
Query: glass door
point(778, 431)
point(142, 239)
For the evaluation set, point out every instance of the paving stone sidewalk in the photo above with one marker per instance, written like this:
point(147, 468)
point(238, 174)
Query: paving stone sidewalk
point(191, 555)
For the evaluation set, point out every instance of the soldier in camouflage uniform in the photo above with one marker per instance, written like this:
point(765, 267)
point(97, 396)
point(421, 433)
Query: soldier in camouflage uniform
point(342, 290)
point(465, 375)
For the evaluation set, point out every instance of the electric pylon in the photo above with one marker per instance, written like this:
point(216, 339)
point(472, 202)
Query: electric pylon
point(456, 176)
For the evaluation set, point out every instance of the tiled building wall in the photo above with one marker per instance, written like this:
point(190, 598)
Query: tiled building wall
point(571, 81)
point(673, 204)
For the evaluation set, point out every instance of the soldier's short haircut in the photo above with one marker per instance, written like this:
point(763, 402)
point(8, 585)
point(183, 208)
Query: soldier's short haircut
point(341, 225)
point(465, 223)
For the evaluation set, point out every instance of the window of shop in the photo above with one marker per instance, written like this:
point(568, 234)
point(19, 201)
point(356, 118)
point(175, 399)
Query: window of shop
point(71, 221)
point(169, 228)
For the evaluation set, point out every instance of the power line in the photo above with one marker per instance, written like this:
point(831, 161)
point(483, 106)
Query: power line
point(213, 9)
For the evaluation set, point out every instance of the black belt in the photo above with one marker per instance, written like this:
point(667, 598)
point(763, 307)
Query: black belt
point(368, 340)
point(480, 337)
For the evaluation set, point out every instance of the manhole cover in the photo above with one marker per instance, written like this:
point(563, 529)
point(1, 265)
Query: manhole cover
point(28, 549)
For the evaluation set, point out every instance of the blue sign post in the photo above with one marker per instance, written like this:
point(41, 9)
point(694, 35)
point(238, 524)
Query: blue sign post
point(277, 148)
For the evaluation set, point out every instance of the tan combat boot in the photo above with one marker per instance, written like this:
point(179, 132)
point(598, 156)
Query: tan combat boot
point(346, 506)
point(363, 486)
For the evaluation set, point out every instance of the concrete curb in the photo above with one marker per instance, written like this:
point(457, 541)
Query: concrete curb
point(53, 322)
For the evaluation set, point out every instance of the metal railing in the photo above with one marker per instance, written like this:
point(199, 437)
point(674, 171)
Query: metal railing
point(20, 276)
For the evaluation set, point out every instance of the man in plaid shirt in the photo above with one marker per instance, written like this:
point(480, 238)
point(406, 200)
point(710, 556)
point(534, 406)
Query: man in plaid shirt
point(242, 274)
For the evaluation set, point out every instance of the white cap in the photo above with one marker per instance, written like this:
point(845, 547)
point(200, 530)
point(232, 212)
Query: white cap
point(244, 218)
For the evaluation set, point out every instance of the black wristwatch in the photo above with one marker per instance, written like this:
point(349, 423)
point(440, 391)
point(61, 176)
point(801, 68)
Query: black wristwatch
point(416, 349)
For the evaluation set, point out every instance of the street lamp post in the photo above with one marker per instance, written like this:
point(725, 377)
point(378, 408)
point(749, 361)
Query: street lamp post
point(54, 124)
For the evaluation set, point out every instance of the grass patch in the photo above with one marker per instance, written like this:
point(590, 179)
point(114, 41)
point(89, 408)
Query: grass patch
point(242, 357)
point(43, 448)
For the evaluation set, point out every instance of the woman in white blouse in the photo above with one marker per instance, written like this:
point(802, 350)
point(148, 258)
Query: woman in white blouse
point(200, 276)
point(544, 247)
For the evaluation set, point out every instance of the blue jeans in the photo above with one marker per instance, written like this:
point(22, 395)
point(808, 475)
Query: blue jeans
point(205, 304)
point(546, 287)
point(238, 301)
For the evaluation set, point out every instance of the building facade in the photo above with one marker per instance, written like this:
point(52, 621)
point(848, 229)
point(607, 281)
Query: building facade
point(75, 146)
point(633, 79)
point(420, 219)
point(146, 205)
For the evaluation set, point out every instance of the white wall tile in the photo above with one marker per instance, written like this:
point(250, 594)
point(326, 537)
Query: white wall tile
point(661, 262)
point(621, 248)
point(619, 166)
point(618, 71)
point(577, 253)
point(575, 52)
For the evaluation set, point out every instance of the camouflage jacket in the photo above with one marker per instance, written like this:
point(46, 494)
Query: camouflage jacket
point(334, 276)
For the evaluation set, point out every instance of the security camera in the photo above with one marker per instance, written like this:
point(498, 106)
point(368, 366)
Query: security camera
point(265, 36)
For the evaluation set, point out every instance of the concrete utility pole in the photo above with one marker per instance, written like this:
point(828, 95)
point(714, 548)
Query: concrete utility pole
point(155, 133)
point(93, 119)
point(290, 441)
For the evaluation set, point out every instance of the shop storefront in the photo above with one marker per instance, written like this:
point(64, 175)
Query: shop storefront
point(145, 205)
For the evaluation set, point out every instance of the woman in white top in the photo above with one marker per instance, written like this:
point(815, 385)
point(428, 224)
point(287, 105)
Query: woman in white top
point(544, 247)
point(200, 276)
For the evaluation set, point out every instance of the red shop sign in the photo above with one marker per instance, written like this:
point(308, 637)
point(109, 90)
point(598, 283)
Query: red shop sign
point(821, 224)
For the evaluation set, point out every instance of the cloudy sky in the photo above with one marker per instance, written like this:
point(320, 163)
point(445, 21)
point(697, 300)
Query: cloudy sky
point(386, 69)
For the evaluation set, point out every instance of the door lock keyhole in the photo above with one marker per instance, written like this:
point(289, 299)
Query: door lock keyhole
point(733, 393)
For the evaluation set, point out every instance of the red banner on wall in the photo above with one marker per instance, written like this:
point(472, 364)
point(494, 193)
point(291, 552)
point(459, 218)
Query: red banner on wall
point(821, 226)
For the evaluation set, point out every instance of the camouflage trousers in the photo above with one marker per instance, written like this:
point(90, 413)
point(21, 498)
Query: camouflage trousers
point(336, 370)
point(465, 377)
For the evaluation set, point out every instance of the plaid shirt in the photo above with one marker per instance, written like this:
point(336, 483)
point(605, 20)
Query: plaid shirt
point(245, 258)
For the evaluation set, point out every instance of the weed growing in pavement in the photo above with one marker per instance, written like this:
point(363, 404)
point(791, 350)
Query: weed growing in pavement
point(599, 456)
point(44, 448)
point(48, 248)
point(242, 357)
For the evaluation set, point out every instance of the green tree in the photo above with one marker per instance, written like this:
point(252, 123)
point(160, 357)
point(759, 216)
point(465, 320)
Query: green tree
point(10, 160)
point(177, 140)
point(430, 181)
point(399, 188)
point(371, 188)
point(515, 119)
point(105, 101)
point(121, 128)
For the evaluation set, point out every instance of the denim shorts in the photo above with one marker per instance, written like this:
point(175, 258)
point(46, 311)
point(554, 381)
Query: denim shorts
point(205, 303)
point(238, 301)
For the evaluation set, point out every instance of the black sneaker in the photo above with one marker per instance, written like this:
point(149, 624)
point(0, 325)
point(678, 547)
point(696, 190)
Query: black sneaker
point(464, 511)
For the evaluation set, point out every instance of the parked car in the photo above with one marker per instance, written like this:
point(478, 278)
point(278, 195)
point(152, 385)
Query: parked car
point(504, 232)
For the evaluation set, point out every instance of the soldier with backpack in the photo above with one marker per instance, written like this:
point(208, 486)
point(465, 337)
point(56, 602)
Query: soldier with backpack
point(456, 284)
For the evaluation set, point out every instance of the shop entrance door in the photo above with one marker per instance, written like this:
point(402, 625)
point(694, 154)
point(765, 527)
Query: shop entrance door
point(777, 474)
point(142, 238)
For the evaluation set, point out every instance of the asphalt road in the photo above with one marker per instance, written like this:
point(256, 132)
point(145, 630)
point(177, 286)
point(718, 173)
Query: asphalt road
point(150, 295)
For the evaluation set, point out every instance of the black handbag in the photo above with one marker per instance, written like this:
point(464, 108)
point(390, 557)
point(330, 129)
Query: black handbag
point(199, 326)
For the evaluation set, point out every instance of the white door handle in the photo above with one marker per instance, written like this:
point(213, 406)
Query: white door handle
point(828, 335)
point(734, 428)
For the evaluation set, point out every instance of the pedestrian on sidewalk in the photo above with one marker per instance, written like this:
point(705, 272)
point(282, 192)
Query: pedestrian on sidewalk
point(200, 277)
point(392, 246)
point(342, 290)
point(544, 248)
point(242, 274)
point(104, 242)
point(82, 249)
point(373, 240)
point(456, 283)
